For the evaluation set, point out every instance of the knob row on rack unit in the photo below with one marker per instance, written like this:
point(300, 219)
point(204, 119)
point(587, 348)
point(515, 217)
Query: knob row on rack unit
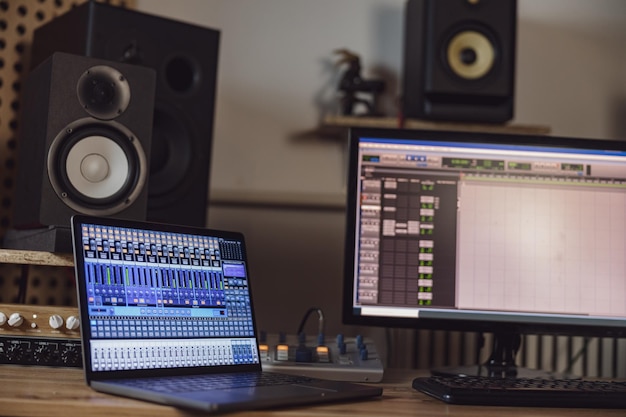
point(40, 351)
point(39, 335)
point(39, 321)
point(55, 321)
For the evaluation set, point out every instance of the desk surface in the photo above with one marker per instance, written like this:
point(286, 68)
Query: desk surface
point(51, 392)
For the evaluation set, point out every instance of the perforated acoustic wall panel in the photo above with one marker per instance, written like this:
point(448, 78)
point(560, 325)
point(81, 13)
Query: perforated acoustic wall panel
point(18, 20)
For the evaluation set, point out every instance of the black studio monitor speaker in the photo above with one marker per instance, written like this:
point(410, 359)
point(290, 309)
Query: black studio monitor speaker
point(459, 60)
point(85, 141)
point(184, 57)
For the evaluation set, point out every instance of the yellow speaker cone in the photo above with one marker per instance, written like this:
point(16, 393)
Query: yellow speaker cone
point(470, 55)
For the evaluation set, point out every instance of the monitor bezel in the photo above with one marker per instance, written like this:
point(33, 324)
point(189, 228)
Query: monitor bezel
point(471, 325)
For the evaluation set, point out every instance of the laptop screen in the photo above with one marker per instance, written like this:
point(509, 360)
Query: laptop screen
point(156, 296)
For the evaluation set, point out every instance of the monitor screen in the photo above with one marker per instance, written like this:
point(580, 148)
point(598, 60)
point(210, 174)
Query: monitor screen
point(486, 232)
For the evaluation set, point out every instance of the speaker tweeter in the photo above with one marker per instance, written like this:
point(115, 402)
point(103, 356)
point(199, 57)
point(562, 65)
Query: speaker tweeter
point(103, 92)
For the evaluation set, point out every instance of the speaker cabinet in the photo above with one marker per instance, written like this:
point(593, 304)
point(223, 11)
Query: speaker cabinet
point(459, 60)
point(185, 59)
point(86, 129)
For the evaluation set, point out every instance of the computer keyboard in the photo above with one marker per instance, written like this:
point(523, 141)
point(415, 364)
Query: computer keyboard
point(530, 392)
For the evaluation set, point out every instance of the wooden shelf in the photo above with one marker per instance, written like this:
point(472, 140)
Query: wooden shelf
point(393, 123)
point(10, 256)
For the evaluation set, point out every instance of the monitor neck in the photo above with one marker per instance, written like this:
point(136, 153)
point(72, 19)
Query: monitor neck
point(501, 362)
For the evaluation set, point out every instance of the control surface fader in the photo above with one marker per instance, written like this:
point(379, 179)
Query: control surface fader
point(341, 359)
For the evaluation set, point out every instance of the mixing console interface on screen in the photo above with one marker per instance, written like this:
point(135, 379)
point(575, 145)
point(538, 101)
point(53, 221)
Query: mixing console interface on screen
point(188, 286)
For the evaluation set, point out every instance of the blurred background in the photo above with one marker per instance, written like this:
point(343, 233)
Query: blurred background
point(278, 171)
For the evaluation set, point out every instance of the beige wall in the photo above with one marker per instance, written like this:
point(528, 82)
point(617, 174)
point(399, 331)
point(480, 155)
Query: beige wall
point(277, 78)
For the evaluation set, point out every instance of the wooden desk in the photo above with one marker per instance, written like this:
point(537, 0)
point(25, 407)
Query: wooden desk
point(52, 392)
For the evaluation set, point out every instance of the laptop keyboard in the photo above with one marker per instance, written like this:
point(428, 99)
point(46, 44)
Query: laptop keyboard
point(211, 382)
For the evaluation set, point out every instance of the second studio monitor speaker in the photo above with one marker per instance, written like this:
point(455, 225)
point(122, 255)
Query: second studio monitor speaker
point(184, 57)
point(459, 60)
point(85, 139)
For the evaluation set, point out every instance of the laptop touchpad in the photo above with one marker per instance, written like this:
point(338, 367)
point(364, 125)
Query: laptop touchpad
point(256, 393)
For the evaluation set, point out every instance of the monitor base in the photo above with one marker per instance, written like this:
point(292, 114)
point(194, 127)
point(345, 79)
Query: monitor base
point(484, 370)
point(501, 362)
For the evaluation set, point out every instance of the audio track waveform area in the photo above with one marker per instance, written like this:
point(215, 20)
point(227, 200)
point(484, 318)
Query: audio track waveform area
point(499, 216)
point(165, 300)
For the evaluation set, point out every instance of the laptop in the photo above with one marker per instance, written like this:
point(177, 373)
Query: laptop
point(167, 316)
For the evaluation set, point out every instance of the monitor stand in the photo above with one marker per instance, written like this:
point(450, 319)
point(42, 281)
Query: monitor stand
point(501, 362)
point(47, 238)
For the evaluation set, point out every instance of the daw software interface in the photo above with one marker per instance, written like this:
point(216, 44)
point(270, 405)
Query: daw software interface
point(465, 230)
point(160, 299)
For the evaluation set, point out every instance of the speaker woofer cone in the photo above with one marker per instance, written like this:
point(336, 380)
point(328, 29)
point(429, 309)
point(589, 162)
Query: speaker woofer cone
point(171, 158)
point(470, 55)
point(97, 168)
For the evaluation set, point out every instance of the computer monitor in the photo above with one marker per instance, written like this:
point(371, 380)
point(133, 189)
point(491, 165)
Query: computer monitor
point(496, 233)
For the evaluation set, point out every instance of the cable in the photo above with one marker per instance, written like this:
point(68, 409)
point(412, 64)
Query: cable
point(480, 343)
point(320, 322)
point(578, 355)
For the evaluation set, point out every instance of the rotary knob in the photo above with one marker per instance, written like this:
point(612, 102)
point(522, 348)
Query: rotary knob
point(72, 323)
point(16, 320)
point(70, 355)
point(43, 354)
point(15, 352)
point(3, 318)
point(55, 321)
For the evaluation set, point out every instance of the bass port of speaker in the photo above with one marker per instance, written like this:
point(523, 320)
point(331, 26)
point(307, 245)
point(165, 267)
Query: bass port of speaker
point(470, 53)
point(181, 74)
point(97, 168)
point(103, 92)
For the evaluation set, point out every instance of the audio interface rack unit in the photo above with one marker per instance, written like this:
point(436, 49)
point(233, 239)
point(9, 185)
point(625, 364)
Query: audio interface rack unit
point(39, 335)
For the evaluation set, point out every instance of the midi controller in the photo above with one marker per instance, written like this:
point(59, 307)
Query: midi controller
point(342, 359)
